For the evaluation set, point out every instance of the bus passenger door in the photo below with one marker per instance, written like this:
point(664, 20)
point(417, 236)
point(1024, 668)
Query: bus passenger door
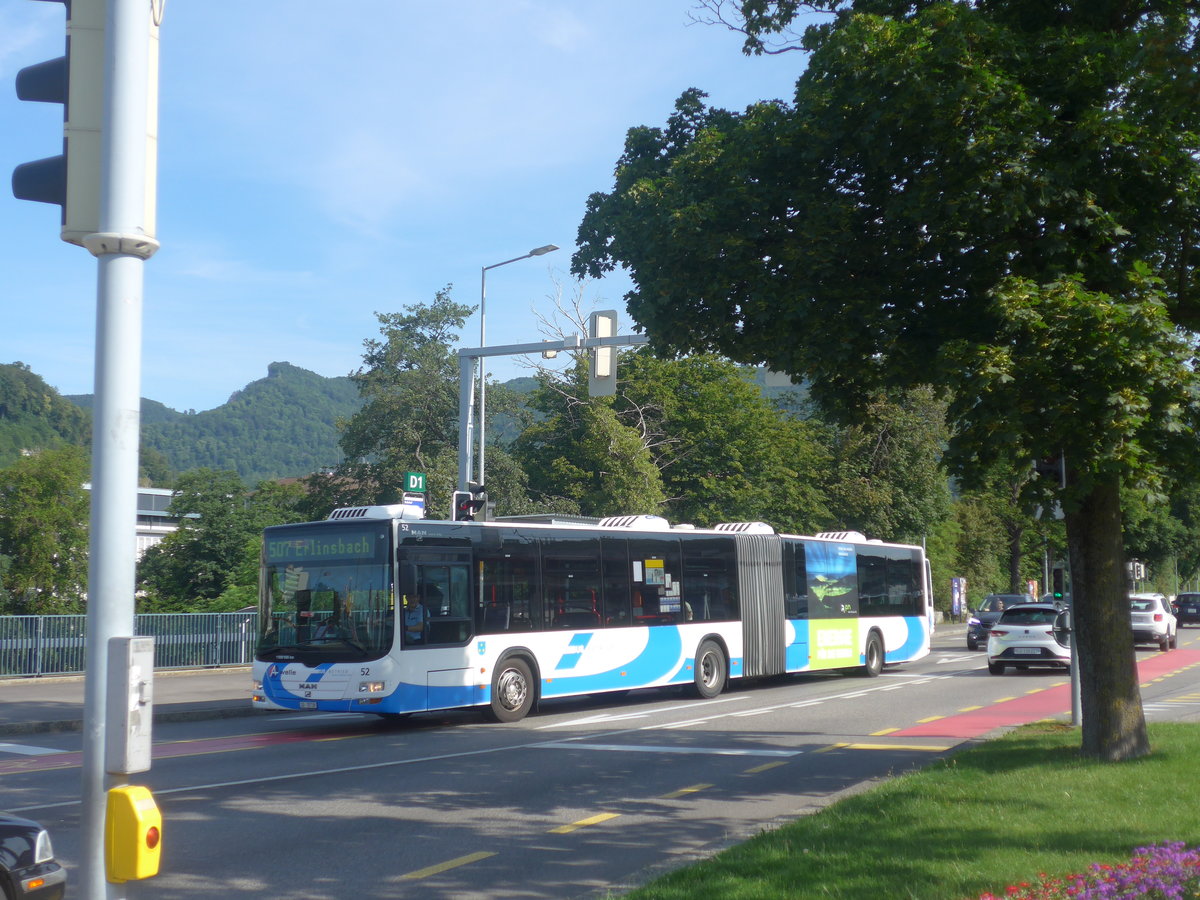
point(437, 597)
point(445, 592)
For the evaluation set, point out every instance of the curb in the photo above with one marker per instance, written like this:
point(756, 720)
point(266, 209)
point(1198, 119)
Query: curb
point(164, 715)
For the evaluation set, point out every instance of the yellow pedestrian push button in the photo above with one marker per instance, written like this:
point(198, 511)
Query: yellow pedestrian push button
point(132, 834)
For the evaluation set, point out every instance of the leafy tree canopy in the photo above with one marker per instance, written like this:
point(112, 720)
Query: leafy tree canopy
point(44, 533)
point(998, 199)
point(218, 520)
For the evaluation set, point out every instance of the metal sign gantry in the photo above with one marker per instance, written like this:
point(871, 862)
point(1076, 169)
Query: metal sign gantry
point(467, 358)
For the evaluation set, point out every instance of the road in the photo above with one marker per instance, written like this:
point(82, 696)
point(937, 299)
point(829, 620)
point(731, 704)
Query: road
point(589, 797)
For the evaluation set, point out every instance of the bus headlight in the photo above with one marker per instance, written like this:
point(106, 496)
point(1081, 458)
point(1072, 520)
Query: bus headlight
point(370, 687)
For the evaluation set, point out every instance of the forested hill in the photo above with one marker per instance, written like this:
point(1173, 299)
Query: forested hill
point(278, 426)
point(281, 425)
point(34, 416)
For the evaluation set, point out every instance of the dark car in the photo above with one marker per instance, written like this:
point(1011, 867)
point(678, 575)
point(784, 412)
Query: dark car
point(1187, 609)
point(28, 870)
point(982, 619)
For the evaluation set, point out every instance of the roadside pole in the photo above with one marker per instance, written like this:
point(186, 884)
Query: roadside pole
point(121, 246)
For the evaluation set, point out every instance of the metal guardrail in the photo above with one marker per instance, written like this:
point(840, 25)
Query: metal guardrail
point(55, 645)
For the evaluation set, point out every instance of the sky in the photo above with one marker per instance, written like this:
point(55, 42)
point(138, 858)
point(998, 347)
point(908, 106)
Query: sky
point(323, 162)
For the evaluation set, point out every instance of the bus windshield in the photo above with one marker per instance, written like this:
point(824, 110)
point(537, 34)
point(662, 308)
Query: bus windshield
point(326, 593)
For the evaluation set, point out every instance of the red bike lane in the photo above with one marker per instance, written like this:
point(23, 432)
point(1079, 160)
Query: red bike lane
point(1038, 704)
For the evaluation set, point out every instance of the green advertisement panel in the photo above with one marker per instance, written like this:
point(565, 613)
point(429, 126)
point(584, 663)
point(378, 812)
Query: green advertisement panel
point(832, 576)
point(833, 643)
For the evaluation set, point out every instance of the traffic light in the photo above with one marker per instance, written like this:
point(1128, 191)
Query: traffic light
point(602, 369)
point(1053, 467)
point(76, 80)
point(467, 503)
point(1058, 590)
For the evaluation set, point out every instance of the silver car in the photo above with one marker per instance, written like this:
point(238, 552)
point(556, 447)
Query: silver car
point(1152, 621)
point(1030, 635)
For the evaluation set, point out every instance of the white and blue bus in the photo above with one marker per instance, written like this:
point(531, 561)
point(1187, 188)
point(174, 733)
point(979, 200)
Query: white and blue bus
point(379, 611)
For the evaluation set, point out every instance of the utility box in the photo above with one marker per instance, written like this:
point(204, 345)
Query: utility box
point(132, 834)
point(130, 705)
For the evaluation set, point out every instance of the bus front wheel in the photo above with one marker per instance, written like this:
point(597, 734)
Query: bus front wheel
point(512, 691)
point(710, 671)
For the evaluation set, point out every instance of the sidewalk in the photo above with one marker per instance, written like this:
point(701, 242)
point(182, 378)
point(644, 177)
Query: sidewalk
point(32, 705)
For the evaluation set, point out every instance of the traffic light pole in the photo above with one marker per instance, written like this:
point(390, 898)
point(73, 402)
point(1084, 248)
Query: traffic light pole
point(466, 381)
point(121, 247)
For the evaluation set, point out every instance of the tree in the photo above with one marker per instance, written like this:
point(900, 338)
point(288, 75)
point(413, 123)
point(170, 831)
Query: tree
point(995, 199)
point(888, 480)
point(44, 533)
point(725, 452)
point(409, 383)
point(581, 457)
point(218, 519)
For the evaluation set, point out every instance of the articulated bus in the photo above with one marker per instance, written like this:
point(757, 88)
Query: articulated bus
point(377, 610)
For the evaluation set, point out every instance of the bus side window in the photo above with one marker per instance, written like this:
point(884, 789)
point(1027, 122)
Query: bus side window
point(509, 585)
point(615, 603)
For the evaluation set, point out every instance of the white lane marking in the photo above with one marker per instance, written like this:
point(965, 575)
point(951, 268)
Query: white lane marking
point(641, 714)
point(29, 751)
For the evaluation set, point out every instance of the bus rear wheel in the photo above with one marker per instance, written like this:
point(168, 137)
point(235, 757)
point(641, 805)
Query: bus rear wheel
point(512, 691)
point(710, 671)
point(873, 655)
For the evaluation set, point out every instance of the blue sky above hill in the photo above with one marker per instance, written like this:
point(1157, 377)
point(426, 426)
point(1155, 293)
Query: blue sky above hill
point(321, 162)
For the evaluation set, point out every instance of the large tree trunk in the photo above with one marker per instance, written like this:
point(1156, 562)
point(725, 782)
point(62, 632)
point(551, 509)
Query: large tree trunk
point(1114, 727)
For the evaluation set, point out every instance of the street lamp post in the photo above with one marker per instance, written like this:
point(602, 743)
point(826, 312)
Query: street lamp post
point(537, 251)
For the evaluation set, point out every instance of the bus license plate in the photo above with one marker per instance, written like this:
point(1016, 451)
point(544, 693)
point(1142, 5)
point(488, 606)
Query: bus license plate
point(308, 704)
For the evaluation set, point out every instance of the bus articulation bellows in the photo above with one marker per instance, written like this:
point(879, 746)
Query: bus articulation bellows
point(377, 610)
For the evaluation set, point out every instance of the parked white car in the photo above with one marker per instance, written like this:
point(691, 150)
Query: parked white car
point(1152, 620)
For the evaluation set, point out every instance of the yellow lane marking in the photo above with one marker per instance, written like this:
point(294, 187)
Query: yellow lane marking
point(970, 708)
point(765, 766)
point(683, 792)
point(449, 864)
point(1035, 691)
point(583, 823)
point(929, 719)
point(883, 732)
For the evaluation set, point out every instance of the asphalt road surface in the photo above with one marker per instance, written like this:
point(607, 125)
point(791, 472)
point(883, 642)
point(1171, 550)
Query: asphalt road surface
point(586, 799)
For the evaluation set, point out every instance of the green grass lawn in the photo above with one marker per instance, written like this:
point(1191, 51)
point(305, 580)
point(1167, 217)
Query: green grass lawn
point(998, 814)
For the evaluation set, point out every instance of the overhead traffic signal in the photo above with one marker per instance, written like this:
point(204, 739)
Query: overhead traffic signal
point(466, 504)
point(602, 368)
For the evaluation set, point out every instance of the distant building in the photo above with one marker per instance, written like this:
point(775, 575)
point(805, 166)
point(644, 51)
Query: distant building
point(153, 521)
